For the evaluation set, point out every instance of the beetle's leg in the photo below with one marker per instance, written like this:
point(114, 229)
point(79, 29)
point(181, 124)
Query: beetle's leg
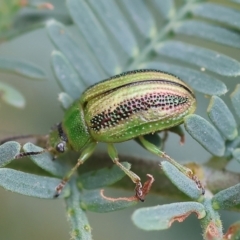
point(134, 177)
point(188, 172)
point(86, 153)
point(154, 138)
point(179, 131)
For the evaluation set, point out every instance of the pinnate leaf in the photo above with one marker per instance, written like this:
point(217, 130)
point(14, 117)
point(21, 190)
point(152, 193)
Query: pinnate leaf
point(30, 184)
point(161, 217)
point(203, 132)
point(8, 151)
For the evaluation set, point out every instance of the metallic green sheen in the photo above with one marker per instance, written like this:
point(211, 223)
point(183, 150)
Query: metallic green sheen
point(123, 107)
point(127, 106)
point(75, 127)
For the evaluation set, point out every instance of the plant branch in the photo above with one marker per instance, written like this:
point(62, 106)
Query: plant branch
point(161, 35)
point(214, 179)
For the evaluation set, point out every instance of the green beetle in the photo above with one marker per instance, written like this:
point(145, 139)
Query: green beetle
point(123, 107)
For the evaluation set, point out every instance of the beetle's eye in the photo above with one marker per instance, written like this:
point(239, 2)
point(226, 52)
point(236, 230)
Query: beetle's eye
point(60, 147)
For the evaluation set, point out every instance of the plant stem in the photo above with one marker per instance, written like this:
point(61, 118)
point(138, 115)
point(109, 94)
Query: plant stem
point(161, 35)
point(216, 180)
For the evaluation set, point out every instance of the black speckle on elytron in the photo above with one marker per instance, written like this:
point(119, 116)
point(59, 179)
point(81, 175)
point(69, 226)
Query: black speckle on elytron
point(126, 108)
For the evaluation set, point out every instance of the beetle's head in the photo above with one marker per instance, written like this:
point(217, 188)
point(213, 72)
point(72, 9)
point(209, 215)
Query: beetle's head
point(57, 142)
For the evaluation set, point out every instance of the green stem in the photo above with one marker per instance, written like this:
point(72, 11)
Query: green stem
point(211, 224)
point(80, 228)
point(161, 35)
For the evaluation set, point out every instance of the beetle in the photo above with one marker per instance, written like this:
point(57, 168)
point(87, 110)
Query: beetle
point(124, 107)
